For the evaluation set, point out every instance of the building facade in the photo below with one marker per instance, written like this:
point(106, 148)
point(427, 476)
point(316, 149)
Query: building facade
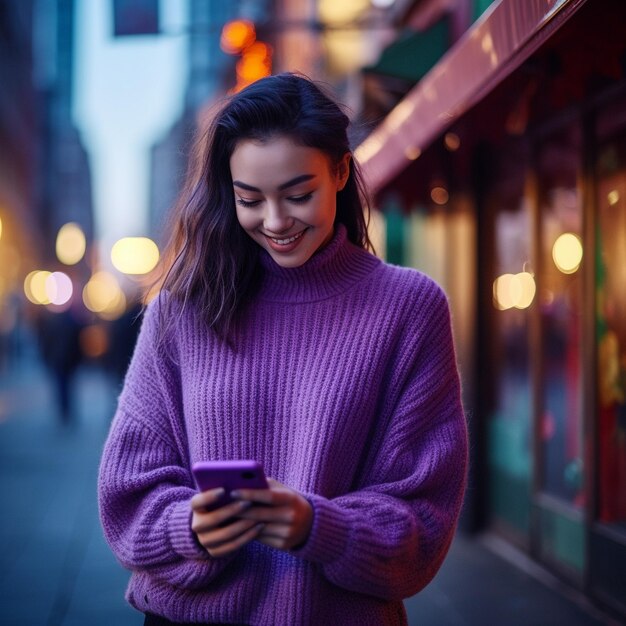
point(44, 170)
point(503, 175)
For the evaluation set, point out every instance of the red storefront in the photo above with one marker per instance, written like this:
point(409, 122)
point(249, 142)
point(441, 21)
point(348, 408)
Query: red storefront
point(503, 174)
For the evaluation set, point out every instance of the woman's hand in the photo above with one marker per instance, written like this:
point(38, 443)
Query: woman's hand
point(222, 530)
point(286, 516)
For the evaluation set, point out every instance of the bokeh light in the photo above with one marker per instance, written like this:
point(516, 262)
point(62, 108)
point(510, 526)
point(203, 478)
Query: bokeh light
point(115, 309)
point(135, 255)
point(102, 294)
point(567, 253)
point(70, 244)
point(514, 291)
point(35, 287)
point(255, 63)
point(529, 289)
point(452, 142)
point(94, 341)
point(439, 195)
point(58, 288)
point(412, 153)
point(236, 36)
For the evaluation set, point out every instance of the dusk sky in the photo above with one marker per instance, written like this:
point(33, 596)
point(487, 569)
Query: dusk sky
point(128, 92)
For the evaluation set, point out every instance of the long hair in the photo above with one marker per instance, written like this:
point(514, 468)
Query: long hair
point(209, 260)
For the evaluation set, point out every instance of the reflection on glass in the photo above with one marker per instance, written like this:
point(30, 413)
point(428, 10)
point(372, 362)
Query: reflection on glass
point(514, 290)
point(561, 255)
point(567, 253)
point(611, 330)
point(510, 438)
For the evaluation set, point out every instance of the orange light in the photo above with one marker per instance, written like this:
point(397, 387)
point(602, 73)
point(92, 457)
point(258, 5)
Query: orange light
point(237, 36)
point(255, 63)
point(439, 195)
point(452, 142)
point(94, 341)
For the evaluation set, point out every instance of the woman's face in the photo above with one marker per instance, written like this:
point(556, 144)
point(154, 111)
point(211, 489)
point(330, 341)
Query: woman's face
point(286, 196)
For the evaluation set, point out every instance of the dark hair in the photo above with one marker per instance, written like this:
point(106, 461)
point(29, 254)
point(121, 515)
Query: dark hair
point(209, 259)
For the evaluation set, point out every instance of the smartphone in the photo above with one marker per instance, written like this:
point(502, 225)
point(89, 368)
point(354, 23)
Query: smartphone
point(230, 475)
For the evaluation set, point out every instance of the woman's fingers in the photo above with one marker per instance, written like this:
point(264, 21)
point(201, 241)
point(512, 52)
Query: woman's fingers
point(278, 531)
point(235, 544)
point(278, 517)
point(204, 520)
point(287, 515)
point(221, 531)
point(280, 536)
point(224, 534)
point(272, 496)
point(205, 499)
point(284, 514)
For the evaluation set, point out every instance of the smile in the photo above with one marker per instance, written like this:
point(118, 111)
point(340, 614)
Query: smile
point(287, 241)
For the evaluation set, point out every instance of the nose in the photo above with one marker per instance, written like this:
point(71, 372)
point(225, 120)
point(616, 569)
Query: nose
point(276, 220)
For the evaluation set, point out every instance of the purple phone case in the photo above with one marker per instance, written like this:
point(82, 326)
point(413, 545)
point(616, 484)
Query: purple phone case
point(230, 475)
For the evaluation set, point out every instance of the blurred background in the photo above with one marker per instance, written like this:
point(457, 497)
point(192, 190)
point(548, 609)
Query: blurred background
point(493, 138)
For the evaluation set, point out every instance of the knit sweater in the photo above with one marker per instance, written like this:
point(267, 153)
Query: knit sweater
point(342, 382)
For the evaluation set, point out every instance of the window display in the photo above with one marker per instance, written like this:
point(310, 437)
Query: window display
point(560, 299)
point(611, 329)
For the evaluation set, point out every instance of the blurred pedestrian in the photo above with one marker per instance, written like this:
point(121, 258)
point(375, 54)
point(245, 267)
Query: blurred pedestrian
point(59, 342)
point(122, 337)
point(278, 337)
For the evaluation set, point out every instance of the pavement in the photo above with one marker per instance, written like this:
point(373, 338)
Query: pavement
point(56, 569)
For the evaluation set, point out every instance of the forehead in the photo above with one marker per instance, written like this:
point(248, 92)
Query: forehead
point(269, 163)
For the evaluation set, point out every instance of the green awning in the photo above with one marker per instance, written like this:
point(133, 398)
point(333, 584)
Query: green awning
point(413, 54)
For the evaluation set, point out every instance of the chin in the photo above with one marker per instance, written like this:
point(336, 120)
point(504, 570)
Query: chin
point(291, 262)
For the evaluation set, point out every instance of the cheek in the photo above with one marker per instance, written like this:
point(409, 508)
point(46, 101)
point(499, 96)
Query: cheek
point(245, 218)
point(328, 207)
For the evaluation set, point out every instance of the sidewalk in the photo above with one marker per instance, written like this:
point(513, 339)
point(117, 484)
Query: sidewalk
point(57, 569)
point(477, 587)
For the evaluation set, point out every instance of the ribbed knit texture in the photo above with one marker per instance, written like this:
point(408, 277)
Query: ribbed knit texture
point(342, 382)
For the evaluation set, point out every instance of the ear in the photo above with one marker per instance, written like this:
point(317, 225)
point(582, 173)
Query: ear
point(343, 171)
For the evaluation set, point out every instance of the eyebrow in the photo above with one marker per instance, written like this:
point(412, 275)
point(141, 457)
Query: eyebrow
point(290, 183)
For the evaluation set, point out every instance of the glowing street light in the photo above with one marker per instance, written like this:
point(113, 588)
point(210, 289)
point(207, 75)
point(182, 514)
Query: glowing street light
point(135, 255)
point(101, 291)
point(59, 288)
point(70, 244)
point(35, 287)
point(567, 253)
point(237, 36)
point(514, 291)
point(439, 195)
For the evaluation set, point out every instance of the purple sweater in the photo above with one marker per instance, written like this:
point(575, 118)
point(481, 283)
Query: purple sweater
point(343, 384)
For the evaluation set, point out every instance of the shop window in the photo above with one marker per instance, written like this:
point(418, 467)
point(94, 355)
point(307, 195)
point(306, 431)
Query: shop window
point(510, 419)
point(394, 239)
point(560, 299)
point(611, 328)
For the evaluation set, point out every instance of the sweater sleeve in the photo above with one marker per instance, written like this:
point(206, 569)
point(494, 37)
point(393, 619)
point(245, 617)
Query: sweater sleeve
point(390, 535)
point(145, 485)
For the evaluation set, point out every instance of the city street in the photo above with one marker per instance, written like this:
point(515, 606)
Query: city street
point(58, 570)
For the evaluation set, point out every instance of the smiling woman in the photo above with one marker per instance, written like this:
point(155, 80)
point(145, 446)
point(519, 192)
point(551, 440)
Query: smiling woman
point(279, 338)
point(265, 144)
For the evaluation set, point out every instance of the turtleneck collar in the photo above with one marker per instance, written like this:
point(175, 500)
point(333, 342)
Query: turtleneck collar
point(330, 271)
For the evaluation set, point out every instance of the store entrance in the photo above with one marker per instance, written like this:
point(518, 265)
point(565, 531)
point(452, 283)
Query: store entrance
point(556, 394)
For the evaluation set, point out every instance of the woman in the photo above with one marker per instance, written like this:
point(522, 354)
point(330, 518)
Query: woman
point(278, 338)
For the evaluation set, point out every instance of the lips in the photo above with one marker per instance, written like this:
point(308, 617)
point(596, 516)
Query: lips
point(287, 240)
point(285, 244)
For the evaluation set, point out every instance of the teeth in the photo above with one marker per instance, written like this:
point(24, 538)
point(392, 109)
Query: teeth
point(284, 242)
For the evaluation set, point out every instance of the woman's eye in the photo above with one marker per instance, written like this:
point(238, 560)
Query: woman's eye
point(247, 203)
point(301, 199)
